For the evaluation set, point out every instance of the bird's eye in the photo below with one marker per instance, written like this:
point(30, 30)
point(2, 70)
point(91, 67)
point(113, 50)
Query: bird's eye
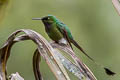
point(47, 18)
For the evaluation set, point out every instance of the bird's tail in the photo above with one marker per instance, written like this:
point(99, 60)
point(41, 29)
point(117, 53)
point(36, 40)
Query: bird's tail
point(108, 71)
point(80, 48)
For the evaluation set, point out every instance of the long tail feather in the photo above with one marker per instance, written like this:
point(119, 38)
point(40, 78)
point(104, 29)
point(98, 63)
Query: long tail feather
point(80, 48)
point(108, 71)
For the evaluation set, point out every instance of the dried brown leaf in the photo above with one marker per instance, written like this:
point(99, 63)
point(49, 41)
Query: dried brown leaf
point(36, 61)
point(41, 42)
point(49, 53)
point(83, 68)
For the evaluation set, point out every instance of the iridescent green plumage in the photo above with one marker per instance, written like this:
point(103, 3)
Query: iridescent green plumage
point(57, 30)
point(54, 28)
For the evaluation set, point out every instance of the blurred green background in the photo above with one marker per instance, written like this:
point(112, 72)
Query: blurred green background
point(94, 24)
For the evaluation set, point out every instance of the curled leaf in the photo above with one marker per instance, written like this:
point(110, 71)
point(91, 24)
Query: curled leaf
point(36, 60)
point(82, 67)
point(48, 51)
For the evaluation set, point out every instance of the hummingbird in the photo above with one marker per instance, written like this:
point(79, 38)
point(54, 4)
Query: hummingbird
point(60, 33)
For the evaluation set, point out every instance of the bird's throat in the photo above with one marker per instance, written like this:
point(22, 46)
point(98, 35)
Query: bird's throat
point(47, 25)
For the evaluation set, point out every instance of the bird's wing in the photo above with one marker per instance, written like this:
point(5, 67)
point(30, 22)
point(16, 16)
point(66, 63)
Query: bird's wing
point(60, 26)
point(63, 29)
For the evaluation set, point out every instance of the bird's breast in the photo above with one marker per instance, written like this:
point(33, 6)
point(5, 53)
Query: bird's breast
point(53, 31)
point(55, 34)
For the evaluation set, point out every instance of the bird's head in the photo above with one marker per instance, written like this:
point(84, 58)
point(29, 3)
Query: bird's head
point(47, 19)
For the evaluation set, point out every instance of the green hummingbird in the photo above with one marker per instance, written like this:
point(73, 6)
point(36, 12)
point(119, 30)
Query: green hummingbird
point(60, 33)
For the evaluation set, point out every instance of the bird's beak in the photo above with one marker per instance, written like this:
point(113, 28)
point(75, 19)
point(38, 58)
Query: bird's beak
point(37, 18)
